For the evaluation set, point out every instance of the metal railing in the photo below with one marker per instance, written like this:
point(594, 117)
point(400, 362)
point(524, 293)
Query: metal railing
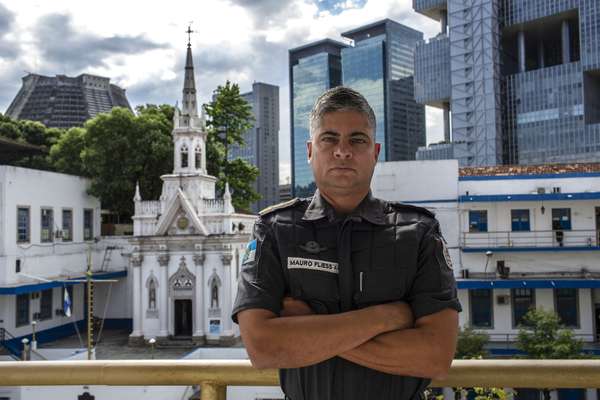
point(552, 238)
point(214, 376)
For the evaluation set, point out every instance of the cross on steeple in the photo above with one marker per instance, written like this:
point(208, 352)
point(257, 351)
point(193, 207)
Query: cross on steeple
point(189, 32)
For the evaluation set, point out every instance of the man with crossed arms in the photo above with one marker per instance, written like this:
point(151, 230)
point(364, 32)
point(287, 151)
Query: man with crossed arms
point(351, 297)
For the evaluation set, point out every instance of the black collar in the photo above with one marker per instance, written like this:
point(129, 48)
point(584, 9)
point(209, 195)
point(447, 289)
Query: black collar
point(370, 209)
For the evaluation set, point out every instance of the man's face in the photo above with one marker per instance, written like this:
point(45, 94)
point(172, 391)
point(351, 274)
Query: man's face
point(343, 152)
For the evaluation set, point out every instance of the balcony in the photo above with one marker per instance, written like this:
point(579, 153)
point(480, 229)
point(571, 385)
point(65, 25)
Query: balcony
point(552, 240)
point(214, 376)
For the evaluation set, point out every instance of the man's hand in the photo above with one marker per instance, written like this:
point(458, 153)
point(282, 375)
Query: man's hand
point(293, 307)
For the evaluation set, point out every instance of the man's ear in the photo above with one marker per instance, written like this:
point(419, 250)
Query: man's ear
point(377, 150)
point(309, 150)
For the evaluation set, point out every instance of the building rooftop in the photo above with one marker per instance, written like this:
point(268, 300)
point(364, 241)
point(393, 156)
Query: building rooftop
point(505, 170)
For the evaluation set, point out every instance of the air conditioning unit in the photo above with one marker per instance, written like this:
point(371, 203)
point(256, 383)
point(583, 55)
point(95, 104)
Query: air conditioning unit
point(541, 190)
point(503, 299)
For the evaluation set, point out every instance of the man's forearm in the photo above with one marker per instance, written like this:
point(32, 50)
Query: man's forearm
point(297, 341)
point(420, 351)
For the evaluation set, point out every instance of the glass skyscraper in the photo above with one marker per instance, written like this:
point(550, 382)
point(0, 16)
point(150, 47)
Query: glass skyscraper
point(261, 147)
point(380, 65)
point(313, 68)
point(522, 80)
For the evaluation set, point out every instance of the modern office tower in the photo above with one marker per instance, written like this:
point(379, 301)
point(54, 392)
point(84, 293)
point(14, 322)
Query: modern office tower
point(262, 143)
point(522, 80)
point(380, 65)
point(63, 102)
point(313, 68)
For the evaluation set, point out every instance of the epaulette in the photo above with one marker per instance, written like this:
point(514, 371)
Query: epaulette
point(280, 206)
point(422, 210)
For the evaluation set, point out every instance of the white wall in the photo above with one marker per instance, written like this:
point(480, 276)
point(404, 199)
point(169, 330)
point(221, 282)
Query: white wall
point(544, 299)
point(36, 189)
point(529, 186)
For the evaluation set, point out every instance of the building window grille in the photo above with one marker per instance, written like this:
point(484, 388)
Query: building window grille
point(22, 309)
point(567, 306)
point(561, 219)
point(23, 227)
point(478, 221)
point(481, 308)
point(520, 220)
point(47, 223)
point(67, 225)
point(523, 300)
point(88, 224)
point(46, 304)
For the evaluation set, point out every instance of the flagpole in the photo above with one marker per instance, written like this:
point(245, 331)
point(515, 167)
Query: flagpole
point(90, 308)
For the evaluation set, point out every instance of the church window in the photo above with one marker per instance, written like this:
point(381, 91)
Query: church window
point(184, 156)
point(214, 295)
point(198, 157)
point(152, 295)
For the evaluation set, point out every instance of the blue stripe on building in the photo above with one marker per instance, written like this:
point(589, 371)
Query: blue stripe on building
point(530, 176)
point(528, 283)
point(529, 249)
point(529, 197)
point(37, 287)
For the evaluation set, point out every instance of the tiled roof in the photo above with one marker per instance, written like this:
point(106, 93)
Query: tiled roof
point(530, 169)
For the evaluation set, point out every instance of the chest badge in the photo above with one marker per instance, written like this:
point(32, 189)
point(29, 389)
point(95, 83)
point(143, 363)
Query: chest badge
point(312, 247)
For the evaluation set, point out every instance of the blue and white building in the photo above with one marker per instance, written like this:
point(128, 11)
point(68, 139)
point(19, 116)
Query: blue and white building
point(519, 237)
point(48, 226)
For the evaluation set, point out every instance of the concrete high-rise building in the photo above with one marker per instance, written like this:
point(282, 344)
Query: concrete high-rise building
point(380, 66)
point(313, 68)
point(63, 102)
point(522, 80)
point(262, 143)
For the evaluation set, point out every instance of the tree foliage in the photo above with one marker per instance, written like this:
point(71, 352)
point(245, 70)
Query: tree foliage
point(543, 337)
point(470, 344)
point(121, 149)
point(229, 117)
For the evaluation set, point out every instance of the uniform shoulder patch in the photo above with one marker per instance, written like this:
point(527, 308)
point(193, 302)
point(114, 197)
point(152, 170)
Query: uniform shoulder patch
point(404, 206)
point(280, 206)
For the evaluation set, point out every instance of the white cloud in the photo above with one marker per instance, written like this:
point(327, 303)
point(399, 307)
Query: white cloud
point(239, 40)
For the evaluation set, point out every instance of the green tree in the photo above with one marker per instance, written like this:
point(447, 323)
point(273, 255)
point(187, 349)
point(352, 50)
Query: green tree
point(470, 344)
point(66, 153)
point(543, 337)
point(229, 117)
point(120, 149)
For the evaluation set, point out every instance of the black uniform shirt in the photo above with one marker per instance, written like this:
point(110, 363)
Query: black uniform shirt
point(379, 253)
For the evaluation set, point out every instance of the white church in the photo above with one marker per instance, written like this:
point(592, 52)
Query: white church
point(187, 246)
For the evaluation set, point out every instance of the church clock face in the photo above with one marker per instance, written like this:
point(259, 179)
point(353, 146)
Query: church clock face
point(182, 223)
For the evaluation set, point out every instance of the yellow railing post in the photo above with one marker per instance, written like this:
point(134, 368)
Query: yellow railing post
point(213, 391)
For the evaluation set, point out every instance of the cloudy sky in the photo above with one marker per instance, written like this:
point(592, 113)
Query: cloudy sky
point(140, 45)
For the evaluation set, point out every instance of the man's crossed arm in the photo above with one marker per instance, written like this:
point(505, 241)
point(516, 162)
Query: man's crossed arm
point(382, 337)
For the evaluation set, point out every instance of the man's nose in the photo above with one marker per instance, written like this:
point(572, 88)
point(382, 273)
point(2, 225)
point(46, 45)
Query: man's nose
point(342, 150)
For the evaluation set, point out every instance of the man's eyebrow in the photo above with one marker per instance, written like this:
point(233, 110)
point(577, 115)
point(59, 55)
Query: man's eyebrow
point(329, 133)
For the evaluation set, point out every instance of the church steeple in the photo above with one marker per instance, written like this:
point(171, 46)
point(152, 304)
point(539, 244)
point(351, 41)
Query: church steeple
point(189, 104)
point(189, 135)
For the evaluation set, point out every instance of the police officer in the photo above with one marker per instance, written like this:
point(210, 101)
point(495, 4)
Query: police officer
point(351, 297)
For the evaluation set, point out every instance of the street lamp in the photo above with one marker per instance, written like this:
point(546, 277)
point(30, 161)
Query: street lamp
point(152, 341)
point(25, 342)
point(488, 255)
point(33, 341)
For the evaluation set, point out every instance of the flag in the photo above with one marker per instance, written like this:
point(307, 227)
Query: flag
point(67, 303)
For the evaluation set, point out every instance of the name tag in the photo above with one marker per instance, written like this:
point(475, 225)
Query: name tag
point(315, 265)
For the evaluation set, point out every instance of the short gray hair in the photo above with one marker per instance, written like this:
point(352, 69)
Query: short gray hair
point(340, 98)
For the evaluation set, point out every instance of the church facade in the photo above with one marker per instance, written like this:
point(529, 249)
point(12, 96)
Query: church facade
point(187, 246)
